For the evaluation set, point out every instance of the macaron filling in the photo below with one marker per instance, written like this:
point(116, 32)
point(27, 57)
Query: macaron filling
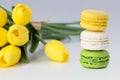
point(94, 60)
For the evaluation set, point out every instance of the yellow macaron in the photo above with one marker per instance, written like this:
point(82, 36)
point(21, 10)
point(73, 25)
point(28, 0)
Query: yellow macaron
point(95, 20)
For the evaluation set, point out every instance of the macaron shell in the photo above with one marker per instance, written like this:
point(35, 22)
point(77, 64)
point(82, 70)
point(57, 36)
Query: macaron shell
point(94, 53)
point(94, 45)
point(94, 59)
point(94, 14)
point(94, 65)
point(94, 20)
point(94, 40)
point(94, 36)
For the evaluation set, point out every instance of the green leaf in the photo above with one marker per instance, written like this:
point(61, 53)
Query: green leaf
point(24, 55)
point(31, 27)
point(6, 26)
point(34, 42)
point(40, 39)
point(13, 7)
point(8, 13)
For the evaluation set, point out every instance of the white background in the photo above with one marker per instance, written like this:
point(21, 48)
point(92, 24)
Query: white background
point(40, 67)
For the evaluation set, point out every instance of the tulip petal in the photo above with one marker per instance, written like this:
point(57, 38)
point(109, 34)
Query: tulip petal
point(21, 14)
point(18, 35)
point(10, 56)
point(3, 17)
point(56, 51)
point(3, 37)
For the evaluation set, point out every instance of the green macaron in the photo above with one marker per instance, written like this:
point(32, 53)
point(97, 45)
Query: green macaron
point(94, 59)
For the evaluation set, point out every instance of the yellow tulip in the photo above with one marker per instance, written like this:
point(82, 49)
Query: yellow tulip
point(18, 35)
point(3, 36)
point(56, 51)
point(9, 55)
point(3, 17)
point(21, 14)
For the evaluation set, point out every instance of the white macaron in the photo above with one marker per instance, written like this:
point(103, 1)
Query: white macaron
point(94, 40)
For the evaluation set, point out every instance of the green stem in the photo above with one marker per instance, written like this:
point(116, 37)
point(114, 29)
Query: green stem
point(54, 37)
point(67, 23)
point(40, 39)
point(48, 32)
point(63, 27)
point(62, 31)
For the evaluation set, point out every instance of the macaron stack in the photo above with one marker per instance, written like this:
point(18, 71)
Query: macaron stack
point(94, 40)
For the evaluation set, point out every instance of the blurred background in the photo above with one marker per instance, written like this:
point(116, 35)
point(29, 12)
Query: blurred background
point(69, 10)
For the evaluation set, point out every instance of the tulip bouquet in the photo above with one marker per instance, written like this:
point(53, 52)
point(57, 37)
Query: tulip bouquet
point(17, 33)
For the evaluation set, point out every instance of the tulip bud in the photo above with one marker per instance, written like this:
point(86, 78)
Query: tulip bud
point(18, 35)
point(9, 55)
point(56, 51)
point(3, 36)
point(3, 17)
point(21, 14)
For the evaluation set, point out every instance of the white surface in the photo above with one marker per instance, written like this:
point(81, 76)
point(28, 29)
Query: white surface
point(41, 68)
